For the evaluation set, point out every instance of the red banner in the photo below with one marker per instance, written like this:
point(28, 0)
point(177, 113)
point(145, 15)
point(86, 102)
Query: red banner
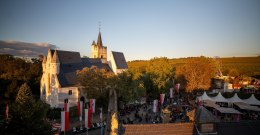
point(79, 109)
point(89, 117)
point(177, 87)
point(67, 118)
point(162, 98)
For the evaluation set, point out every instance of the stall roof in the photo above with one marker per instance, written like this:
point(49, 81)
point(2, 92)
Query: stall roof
point(235, 99)
point(245, 106)
point(219, 98)
point(227, 110)
point(252, 100)
point(204, 97)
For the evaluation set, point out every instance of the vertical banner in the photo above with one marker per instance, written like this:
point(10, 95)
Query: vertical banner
point(62, 120)
point(155, 106)
point(89, 117)
point(78, 106)
point(171, 92)
point(162, 98)
point(6, 111)
point(66, 107)
point(100, 115)
point(86, 118)
point(67, 119)
point(93, 105)
point(90, 104)
point(177, 87)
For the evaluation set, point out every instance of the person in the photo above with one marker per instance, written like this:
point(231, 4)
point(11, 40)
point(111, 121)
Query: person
point(146, 118)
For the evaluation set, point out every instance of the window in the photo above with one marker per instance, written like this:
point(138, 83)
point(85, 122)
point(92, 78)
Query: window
point(70, 92)
point(66, 100)
point(101, 56)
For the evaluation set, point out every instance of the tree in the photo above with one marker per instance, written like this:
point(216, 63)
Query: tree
point(128, 88)
point(28, 115)
point(161, 73)
point(196, 73)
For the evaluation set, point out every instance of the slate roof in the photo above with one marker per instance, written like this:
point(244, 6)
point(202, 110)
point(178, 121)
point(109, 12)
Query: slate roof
point(70, 62)
point(160, 129)
point(89, 62)
point(120, 60)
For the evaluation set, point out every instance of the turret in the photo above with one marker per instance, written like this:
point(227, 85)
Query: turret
point(55, 63)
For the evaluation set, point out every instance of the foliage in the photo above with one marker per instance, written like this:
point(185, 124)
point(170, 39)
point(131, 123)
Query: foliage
point(161, 72)
point(97, 83)
point(197, 72)
point(128, 88)
point(244, 65)
point(15, 72)
point(27, 114)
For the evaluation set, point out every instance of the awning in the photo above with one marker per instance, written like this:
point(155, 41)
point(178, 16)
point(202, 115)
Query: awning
point(245, 106)
point(228, 110)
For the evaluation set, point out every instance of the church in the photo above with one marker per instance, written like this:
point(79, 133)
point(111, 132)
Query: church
point(58, 82)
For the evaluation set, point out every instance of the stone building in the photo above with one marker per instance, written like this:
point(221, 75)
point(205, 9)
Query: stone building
point(58, 82)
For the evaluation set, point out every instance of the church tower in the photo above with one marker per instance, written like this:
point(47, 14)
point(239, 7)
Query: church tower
point(98, 50)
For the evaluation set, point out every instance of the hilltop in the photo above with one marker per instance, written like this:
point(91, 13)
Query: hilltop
point(244, 65)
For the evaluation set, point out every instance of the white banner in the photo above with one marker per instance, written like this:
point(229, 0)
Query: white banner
point(93, 105)
point(62, 120)
point(171, 92)
point(81, 109)
point(100, 115)
point(86, 118)
point(155, 105)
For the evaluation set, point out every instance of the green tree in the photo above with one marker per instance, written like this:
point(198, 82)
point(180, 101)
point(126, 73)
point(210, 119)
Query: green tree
point(161, 72)
point(128, 88)
point(28, 116)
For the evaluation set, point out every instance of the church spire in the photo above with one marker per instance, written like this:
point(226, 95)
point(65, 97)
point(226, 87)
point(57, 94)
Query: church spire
point(55, 58)
point(99, 40)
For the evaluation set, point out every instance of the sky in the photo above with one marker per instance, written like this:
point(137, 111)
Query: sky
point(141, 29)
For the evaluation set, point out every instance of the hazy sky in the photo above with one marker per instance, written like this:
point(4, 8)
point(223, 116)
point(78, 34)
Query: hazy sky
point(142, 29)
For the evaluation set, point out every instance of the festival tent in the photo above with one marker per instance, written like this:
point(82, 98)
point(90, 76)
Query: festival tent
point(228, 110)
point(252, 100)
point(203, 97)
point(235, 99)
point(245, 106)
point(210, 103)
point(219, 98)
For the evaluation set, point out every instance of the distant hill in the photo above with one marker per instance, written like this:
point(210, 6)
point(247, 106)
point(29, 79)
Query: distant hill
point(245, 65)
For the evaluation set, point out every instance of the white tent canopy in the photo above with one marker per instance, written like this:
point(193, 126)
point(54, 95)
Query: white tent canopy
point(252, 100)
point(219, 98)
point(235, 99)
point(204, 97)
point(228, 110)
point(246, 106)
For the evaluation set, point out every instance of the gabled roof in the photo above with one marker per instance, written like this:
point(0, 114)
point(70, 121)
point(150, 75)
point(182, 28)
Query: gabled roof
point(204, 96)
point(89, 62)
point(219, 98)
point(204, 115)
point(235, 99)
point(119, 60)
point(252, 100)
point(68, 57)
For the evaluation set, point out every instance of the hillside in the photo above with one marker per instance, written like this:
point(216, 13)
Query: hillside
point(245, 65)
